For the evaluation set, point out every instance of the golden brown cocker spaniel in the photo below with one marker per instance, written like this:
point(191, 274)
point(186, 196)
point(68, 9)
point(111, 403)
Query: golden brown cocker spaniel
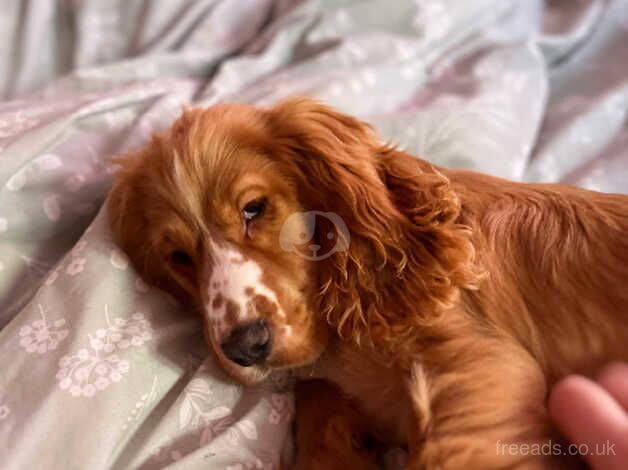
point(443, 303)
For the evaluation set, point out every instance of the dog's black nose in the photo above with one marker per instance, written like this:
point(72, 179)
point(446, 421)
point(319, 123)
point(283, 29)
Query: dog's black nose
point(249, 344)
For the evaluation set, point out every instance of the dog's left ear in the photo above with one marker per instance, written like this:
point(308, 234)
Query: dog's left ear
point(333, 159)
point(408, 255)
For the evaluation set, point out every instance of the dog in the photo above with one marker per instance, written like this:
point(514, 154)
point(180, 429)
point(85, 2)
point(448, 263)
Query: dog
point(437, 306)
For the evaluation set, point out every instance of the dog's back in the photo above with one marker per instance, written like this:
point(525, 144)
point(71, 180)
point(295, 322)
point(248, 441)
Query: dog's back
point(557, 263)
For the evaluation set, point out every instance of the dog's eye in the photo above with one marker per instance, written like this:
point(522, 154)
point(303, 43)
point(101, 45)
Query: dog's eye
point(181, 258)
point(254, 209)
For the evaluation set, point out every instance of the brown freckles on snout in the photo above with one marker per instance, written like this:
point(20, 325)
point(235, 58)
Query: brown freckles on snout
point(264, 306)
point(260, 307)
point(232, 313)
point(217, 301)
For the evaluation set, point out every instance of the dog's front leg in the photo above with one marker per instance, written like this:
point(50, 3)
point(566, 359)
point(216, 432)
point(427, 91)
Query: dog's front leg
point(483, 408)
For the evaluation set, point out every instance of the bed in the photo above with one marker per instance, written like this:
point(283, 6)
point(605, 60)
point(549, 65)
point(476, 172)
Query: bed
point(100, 370)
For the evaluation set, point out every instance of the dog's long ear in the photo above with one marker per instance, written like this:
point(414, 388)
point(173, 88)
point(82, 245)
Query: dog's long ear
point(127, 220)
point(408, 255)
point(132, 221)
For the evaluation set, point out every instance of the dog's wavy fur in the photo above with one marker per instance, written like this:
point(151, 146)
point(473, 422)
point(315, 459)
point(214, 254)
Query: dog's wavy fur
point(460, 299)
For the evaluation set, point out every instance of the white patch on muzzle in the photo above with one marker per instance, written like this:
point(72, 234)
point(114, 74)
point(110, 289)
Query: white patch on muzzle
point(234, 279)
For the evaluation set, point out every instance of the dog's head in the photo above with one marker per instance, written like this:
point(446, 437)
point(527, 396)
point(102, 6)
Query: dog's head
point(276, 224)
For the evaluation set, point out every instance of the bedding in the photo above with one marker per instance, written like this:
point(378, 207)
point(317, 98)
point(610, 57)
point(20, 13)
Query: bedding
point(100, 370)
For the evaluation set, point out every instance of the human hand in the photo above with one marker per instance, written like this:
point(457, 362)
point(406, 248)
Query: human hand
point(593, 415)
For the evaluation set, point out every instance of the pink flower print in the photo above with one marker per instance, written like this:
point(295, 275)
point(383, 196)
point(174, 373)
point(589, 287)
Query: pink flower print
point(91, 370)
point(101, 369)
point(76, 266)
point(83, 354)
point(39, 337)
point(101, 383)
point(79, 247)
point(96, 344)
point(4, 412)
point(52, 277)
point(274, 417)
point(65, 382)
point(83, 374)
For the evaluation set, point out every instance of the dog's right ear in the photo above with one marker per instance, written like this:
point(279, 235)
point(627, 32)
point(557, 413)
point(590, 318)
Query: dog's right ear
point(123, 203)
point(129, 216)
